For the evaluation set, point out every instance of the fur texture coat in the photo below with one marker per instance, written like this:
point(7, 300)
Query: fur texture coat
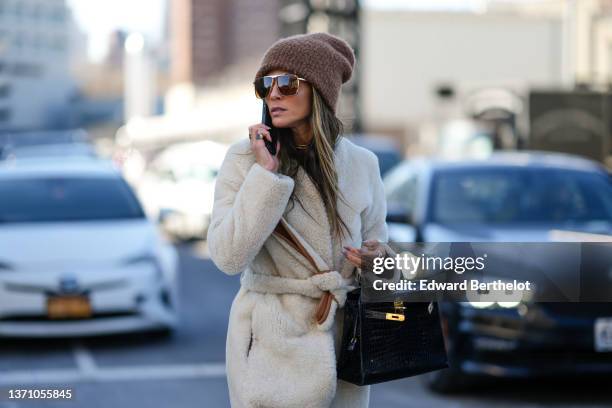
point(276, 353)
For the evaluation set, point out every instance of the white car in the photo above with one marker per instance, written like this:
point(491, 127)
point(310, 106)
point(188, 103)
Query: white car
point(78, 256)
point(178, 187)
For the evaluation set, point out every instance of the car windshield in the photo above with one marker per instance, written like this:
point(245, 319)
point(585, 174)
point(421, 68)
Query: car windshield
point(66, 199)
point(521, 195)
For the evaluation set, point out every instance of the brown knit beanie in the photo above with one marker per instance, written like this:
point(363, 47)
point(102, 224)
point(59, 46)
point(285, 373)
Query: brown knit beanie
point(326, 61)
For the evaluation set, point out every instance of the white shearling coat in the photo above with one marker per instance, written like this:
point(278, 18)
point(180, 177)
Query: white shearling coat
point(276, 354)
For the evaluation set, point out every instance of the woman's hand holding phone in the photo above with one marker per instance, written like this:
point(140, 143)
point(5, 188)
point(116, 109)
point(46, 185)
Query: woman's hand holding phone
point(371, 249)
point(262, 154)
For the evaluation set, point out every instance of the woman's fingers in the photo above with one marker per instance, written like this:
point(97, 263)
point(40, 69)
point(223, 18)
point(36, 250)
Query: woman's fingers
point(259, 128)
point(264, 135)
point(352, 255)
point(354, 259)
point(267, 135)
point(373, 248)
point(258, 146)
point(357, 251)
point(371, 244)
point(370, 250)
point(258, 143)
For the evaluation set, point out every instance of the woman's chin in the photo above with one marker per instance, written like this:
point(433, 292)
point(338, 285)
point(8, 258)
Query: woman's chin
point(280, 123)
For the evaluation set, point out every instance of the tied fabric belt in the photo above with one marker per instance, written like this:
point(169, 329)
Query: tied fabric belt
point(328, 285)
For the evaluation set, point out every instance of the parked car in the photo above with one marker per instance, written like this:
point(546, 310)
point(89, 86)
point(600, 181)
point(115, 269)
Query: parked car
point(45, 144)
point(178, 186)
point(49, 150)
point(510, 197)
point(78, 257)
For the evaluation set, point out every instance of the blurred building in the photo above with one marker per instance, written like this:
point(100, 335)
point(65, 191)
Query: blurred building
point(78, 41)
point(462, 50)
point(210, 36)
point(114, 57)
point(214, 49)
point(505, 63)
point(35, 82)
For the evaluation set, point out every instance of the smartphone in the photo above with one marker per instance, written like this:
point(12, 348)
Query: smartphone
point(266, 119)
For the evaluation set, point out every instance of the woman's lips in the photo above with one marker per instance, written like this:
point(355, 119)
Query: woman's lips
point(276, 111)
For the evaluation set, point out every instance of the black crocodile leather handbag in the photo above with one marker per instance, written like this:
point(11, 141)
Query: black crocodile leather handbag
point(389, 340)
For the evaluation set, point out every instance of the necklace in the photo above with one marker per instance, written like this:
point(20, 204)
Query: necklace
point(303, 146)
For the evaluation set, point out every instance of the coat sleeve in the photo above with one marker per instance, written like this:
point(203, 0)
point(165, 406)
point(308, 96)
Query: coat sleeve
point(375, 221)
point(374, 225)
point(249, 202)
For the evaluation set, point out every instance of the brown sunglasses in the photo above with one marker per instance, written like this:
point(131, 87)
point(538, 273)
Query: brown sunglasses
point(288, 84)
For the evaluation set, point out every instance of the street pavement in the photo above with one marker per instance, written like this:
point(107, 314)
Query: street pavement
point(186, 369)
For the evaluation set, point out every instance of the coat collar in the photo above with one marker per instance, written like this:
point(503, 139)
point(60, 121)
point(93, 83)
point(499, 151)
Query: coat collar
point(314, 225)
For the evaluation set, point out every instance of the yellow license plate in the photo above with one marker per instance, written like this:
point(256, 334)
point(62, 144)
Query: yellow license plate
point(68, 307)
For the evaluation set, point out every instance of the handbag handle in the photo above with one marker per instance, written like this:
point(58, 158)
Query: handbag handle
point(324, 306)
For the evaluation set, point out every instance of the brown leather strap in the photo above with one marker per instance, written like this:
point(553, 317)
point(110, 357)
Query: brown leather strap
point(322, 310)
point(323, 307)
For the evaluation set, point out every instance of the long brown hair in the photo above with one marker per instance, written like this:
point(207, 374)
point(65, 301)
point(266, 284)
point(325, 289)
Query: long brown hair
point(318, 160)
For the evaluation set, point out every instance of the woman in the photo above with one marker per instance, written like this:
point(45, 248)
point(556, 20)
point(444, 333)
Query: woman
point(326, 191)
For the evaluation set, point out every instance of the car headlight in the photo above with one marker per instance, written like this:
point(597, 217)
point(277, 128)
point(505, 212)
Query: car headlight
point(493, 304)
point(480, 305)
point(498, 298)
point(509, 305)
point(146, 258)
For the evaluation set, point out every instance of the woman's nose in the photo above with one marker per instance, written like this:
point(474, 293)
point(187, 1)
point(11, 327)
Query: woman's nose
point(274, 92)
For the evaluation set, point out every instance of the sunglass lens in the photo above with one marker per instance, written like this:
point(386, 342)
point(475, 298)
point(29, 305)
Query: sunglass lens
point(287, 84)
point(263, 86)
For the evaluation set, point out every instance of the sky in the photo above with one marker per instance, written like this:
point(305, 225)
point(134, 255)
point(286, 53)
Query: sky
point(99, 18)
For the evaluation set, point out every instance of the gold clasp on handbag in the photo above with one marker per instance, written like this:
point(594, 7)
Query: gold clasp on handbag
point(398, 306)
point(398, 316)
